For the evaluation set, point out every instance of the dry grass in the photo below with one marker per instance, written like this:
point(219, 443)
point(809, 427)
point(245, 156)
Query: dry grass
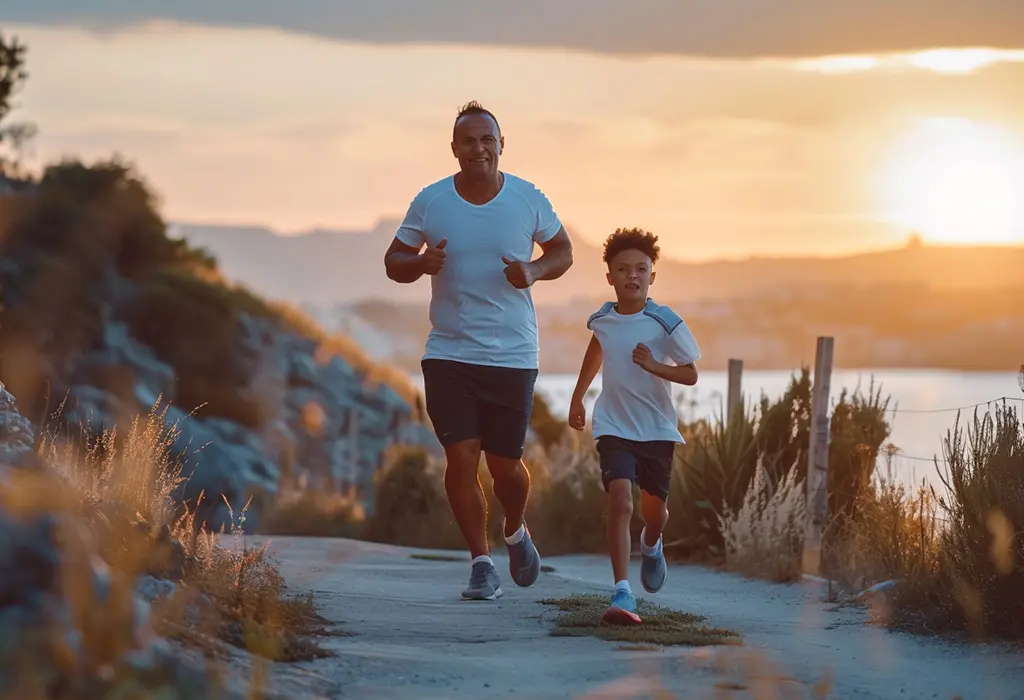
point(137, 470)
point(580, 616)
point(896, 533)
point(249, 606)
point(313, 513)
point(111, 496)
point(764, 538)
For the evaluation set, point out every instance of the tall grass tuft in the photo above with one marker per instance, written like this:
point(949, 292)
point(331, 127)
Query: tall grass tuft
point(895, 534)
point(765, 536)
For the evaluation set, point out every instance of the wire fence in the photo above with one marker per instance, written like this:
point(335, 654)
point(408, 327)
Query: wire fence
point(895, 411)
point(1003, 400)
point(956, 409)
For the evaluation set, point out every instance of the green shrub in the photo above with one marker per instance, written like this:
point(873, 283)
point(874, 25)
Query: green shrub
point(194, 326)
point(710, 472)
point(715, 469)
point(410, 507)
point(307, 512)
point(549, 429)
point(858, 430)
point(568, 507)
point(977, 580)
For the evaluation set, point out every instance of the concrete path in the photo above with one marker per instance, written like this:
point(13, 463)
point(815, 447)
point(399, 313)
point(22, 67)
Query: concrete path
point(415, 638)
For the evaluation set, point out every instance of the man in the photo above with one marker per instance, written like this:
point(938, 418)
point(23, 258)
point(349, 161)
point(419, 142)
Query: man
point(474, 233)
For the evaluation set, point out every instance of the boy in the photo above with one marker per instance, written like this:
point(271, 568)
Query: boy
point(635, 421)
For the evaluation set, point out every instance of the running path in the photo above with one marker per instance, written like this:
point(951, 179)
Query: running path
point(415, 638)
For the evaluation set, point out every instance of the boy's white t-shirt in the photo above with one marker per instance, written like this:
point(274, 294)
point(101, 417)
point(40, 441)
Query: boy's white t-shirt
point(635, 404)
point(476, 315)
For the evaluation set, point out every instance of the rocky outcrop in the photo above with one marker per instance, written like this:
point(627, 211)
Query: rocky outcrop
point(56, 598)
point(16, 433)
point(103, 316)
point(325, 423)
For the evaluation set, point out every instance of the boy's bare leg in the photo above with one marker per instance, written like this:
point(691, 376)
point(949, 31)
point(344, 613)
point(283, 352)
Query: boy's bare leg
point(623, 609)
point(655, 514)
point(653, 567)
point(620, 512)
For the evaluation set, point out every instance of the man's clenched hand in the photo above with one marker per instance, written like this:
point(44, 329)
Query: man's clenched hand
point(520, 274)
point(433, 258)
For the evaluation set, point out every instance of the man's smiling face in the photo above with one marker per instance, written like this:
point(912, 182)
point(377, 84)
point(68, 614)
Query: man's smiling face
point(477, 144)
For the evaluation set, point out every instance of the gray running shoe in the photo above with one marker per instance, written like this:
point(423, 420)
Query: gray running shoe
point(483, 583)
point(524, 561)
point(653, 570)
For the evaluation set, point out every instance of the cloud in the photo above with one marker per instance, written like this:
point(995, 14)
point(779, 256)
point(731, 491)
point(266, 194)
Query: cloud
point(276, 128)
point(733, 29)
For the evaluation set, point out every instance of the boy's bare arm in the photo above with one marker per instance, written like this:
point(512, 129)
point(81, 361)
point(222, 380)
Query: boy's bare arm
point(592, 360)
point(679, 374)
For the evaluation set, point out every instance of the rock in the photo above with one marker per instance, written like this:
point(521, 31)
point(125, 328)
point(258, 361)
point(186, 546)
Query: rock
point(41, 616)
point(127, 368)
point(29, 558)
point(879, 591)
point(303, 371)
point(17, 436)
point(419, 435)
point(150, 588)
point(93, 409)
point(219, 467)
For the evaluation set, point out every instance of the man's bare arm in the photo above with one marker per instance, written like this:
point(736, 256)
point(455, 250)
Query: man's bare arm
point(557, 257)
point(403, 263)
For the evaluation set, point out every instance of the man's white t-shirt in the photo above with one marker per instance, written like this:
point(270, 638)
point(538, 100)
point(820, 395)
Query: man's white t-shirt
point(635, 404)
point(476, 315)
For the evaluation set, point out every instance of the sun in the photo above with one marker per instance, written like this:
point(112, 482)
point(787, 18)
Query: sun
point(956, 181)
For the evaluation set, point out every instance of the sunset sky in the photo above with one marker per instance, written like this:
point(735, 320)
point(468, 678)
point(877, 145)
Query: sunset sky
point(740, 132)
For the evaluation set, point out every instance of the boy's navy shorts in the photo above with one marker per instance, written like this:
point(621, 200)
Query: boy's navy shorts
point(478, 402)
point(649, 464)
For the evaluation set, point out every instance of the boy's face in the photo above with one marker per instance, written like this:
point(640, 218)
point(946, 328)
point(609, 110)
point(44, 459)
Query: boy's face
point(632, 274)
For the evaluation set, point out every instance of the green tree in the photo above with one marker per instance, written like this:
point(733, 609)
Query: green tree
point(14, 137)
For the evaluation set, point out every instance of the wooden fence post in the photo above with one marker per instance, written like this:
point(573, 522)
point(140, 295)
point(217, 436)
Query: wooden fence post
point(817, 458)
point(734, 398)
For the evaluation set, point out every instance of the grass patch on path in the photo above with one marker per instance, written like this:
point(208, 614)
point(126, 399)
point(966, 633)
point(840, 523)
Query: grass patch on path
point(438, 557)
point(580, 616)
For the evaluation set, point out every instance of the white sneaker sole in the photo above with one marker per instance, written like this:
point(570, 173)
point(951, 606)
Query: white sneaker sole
point(494, 596)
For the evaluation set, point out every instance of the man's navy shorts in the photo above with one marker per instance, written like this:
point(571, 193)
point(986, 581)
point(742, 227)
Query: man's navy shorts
point(478, 402)
point(649, 464)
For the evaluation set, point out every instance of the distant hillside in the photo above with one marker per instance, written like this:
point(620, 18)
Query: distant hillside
point(325, 267)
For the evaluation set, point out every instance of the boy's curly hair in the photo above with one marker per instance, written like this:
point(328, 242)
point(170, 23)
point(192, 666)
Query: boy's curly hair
point(631, 239)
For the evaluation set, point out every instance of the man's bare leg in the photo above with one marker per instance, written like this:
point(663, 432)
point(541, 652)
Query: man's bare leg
point(512, 488)
point(468, 504)
point(466, 494)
